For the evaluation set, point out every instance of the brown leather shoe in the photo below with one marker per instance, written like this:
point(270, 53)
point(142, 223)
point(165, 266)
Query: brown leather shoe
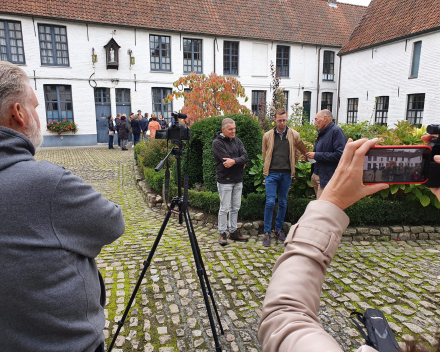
point(266, 239)
point(223, 240)
point(235, 236)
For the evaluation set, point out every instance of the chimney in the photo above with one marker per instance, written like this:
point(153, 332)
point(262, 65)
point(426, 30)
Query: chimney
point(333, 3)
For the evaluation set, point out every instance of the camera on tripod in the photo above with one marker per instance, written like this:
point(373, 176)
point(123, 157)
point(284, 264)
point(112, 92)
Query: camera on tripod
point(176, 131)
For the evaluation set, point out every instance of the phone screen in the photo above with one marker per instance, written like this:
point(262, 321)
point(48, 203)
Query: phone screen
point(396, 164)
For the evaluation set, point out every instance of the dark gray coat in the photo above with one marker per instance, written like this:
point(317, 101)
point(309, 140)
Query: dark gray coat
point(53, 225)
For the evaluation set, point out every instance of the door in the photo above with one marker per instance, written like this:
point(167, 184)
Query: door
point(102, 112)
point(307, 99)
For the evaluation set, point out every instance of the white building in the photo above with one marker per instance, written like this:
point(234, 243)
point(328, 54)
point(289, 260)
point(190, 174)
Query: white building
point(390, 68)
point(154, 43)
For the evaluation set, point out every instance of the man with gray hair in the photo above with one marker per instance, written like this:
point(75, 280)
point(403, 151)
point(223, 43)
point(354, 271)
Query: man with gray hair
point(230, 160)
point(53, 226)
point(327, 151)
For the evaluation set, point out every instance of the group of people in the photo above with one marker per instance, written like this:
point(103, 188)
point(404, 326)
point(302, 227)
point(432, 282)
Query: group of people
point(281, 151)
point(138, 128)
point(54, 225)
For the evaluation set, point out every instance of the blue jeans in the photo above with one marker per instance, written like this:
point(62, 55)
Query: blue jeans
point(110, 142)
point(136, 138)
point(274, 182)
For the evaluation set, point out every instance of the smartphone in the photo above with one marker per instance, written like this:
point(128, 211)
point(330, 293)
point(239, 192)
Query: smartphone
point(397, 164)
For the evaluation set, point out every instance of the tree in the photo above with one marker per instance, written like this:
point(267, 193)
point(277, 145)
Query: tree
point(209, 96)
point(267, 113)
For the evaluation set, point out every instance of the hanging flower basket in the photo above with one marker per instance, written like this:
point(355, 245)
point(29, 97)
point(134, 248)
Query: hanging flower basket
point(60, 127)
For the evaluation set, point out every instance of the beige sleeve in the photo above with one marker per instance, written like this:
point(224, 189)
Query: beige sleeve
point(289, 319)
point(264, 147)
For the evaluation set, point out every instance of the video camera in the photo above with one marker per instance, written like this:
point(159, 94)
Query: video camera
point(176, 131)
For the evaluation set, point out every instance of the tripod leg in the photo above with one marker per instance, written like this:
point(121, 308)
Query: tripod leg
point(197, 259)
point(138, 284)
point(206, 277)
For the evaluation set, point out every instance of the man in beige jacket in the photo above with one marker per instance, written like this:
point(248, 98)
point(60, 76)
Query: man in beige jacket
point(289, 319)
point(280, 156)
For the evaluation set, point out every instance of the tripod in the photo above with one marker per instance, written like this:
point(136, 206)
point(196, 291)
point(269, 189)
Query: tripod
point(182, 210)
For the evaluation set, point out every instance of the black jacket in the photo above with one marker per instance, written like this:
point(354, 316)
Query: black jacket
point(111, 126)
point(123, 130)
point(136, 126)
point(223, 147)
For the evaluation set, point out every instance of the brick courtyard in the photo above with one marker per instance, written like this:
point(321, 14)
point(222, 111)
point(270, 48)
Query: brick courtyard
point(400, 278)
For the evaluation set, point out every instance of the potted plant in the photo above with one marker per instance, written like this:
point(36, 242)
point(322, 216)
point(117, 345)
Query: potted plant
point(59, 127)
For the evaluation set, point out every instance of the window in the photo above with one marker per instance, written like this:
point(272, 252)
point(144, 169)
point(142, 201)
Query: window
point(283, 56)
point(327, 101)
point(258, 101)
point(414, 112)
point(192, 55)
point(159, 107)
point(58, 101)
point(382, 110)
point(53, 45)
point(329, 66)
point(160, 53)
point(230, 58)
point(11, 42)
point(416, 59)
point(352, 110)
point(102, 96)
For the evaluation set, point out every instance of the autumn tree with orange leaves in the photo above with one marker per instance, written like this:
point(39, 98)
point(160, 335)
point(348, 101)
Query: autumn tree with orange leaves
point(209, 96)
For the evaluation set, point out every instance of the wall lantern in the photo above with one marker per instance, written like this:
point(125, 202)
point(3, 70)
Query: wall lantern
point(132, 60)
point(94, 56)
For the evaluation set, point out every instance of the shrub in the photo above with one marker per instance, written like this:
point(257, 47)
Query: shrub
point(360, 130)
point(201, 160)
point(151, 152)
point(155, 179)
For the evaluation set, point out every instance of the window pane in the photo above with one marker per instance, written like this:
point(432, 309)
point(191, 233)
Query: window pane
point(416, 59)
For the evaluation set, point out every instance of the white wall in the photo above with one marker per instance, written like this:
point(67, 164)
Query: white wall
point(385, 71)
point(254, 72)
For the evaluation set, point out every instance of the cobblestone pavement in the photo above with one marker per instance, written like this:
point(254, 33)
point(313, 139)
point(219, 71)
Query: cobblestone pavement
point(402, 279)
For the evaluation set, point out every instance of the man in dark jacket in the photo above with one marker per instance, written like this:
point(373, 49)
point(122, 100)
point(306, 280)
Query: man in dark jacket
point(230, 160)
point(327, 151)
point(144, 128)
point(53, 226)
point(123, 133)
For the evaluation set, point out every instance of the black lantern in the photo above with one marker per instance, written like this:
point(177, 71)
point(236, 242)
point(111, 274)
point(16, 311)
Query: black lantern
point(112, 54)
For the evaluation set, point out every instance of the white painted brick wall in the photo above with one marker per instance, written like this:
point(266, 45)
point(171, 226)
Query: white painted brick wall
point(387, 74)
point(303, 68)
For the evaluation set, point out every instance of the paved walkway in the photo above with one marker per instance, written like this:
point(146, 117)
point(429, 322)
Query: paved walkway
point(169, 314)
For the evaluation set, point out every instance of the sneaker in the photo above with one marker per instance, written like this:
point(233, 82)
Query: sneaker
point(235, 236)
point(223, 240)
point(280, 235)
point(266, 239)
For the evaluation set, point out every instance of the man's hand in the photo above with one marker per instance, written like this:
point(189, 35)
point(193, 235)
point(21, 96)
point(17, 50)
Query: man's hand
point(346, 187)
point(427, 139)
point(228, 162)
point(310, 155)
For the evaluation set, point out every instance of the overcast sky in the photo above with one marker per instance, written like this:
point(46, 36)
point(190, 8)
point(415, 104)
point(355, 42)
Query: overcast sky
point(356, 2)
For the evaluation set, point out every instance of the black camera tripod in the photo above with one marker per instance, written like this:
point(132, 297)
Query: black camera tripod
point(182, 204)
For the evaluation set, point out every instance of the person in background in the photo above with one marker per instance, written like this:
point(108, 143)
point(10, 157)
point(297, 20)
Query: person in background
point(118, 123)
point(123, 133)
point(136, 128)
point(130, 136)
point(162, 122)
point(144, 128)
point(53, 226)
point(111, 132)
point(153, 126)
point(327, 151)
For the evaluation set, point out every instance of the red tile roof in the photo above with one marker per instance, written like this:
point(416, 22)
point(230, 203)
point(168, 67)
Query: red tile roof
point(389, 20)
point(295, 21)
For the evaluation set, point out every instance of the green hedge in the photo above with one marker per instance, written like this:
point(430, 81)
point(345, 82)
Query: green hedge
point(374, 212)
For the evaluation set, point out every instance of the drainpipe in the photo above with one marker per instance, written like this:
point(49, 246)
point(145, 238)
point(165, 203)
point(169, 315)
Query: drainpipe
point(317, 85)
point(339, 88)
point(215, 40)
